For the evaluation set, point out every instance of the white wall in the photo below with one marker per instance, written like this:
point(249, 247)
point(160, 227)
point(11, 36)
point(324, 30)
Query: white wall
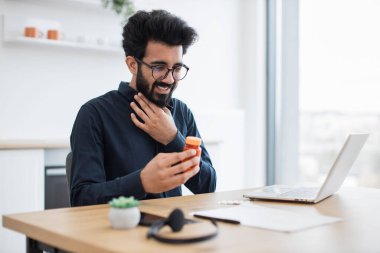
point(42, 88)
point(252, 88)
point(212, 82)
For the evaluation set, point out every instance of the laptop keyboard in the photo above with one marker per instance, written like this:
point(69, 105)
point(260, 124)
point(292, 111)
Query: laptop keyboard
point(302, 192)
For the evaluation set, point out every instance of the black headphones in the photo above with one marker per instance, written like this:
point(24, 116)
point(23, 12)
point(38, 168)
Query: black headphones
point(176, 221)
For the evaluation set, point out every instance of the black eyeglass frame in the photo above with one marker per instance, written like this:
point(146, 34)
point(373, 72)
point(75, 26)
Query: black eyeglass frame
point(167, 72)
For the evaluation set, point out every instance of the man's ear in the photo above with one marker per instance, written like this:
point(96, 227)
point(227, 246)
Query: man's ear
point(132, 64)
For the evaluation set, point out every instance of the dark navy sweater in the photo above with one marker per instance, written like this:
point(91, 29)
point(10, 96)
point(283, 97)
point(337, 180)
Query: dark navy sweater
point(109, 151)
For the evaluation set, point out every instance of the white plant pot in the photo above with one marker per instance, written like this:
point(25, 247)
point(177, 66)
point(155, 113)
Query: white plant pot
point(123, 218)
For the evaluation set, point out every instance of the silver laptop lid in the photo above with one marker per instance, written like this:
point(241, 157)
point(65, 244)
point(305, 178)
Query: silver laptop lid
point(342, 165)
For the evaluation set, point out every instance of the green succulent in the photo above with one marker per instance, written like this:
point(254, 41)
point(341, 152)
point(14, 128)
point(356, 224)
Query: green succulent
point(121, 7)
point(124, 202)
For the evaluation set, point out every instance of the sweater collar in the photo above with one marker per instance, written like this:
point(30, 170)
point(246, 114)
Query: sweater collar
point(128, 92)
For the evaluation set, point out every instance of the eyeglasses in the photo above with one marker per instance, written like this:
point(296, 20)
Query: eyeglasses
point(161, 71)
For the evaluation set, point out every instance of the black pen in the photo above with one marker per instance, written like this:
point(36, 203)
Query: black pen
point(217, 219)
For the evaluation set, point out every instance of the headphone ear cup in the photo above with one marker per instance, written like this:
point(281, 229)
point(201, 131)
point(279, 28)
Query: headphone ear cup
point(176, 220)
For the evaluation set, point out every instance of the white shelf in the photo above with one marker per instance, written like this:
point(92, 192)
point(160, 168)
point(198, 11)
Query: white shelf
point(58, 43)
point(95, 3)
point(92, 2)
point(13, 27)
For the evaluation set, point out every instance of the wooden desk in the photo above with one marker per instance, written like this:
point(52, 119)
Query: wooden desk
point(86, 229)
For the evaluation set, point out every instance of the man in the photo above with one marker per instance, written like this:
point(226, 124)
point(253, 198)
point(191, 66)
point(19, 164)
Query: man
point(129, 142)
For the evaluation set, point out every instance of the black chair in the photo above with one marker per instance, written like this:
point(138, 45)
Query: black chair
point(69, 160)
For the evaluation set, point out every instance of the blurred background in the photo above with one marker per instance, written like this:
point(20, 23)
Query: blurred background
point(275, 86)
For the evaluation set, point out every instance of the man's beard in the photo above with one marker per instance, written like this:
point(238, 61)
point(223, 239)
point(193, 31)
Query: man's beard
point(143, 86)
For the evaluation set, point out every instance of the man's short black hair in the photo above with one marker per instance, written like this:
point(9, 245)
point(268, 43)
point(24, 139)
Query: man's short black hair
point(157, 25)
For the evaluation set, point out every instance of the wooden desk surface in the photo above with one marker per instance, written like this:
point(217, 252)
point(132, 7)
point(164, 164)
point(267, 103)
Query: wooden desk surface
point(86, 229)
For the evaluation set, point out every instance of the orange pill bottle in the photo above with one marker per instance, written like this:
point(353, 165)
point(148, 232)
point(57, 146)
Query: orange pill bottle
point(193, 143)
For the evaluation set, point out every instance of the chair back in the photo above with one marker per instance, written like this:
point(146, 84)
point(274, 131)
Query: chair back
point(69, 161)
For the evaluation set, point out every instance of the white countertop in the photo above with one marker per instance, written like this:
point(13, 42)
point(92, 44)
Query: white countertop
point(33, 143)
point(56, 143)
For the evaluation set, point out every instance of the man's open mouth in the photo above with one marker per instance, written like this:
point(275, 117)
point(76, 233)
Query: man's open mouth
point(163, 88)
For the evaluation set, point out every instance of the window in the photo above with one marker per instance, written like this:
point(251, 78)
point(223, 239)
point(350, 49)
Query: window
point(327, 85)
point(339, 86)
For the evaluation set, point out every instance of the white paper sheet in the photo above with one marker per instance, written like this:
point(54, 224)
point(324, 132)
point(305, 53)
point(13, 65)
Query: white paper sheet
point(269, 218)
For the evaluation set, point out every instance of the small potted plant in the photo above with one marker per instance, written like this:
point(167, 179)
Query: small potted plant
point(124, 212)
point(124, 8)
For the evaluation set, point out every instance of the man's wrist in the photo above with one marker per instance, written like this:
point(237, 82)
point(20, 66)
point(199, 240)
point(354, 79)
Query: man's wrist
point(176, 145)
point(142, 179)
point(172, 138)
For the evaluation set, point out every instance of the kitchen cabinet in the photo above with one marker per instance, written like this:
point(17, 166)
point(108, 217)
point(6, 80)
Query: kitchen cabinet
point(21, 190)
point(23, 171)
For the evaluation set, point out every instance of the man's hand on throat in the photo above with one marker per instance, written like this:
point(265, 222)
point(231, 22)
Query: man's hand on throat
point(157, 122)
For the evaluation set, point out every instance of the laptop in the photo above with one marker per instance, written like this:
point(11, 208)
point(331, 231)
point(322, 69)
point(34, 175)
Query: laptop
point(332, 183)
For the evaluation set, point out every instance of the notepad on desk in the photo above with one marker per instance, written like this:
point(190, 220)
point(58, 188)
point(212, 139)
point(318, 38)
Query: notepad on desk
point(267, 218)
